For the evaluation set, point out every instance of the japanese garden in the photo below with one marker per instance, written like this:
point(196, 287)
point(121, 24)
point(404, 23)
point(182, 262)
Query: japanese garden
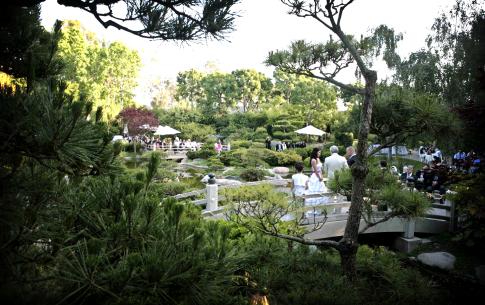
point(347, 170)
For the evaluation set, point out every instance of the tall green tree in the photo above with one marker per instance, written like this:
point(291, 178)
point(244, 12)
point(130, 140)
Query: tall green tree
point(218, 96)
point(452, 68)
point(189, 87)
point(104, 74)
point(250, 88)
point(164, 94)
point(25, 46)
point(311, 99)
point(324, 62)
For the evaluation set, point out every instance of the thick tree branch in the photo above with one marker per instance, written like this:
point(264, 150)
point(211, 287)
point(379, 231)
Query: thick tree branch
point(373, 224)
point(305, 241)
point(335, 82)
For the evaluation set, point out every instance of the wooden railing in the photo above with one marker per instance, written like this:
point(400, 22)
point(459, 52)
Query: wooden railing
point(331, 208)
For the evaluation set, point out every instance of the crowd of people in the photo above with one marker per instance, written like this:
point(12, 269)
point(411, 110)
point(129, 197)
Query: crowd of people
point(431, 178)
point(154, 143)
point(283, 145)
point(467, 162)
point(434, 177)
point(437, 175)
point(429, 154)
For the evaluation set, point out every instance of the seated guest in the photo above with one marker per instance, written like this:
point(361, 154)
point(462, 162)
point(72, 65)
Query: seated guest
point(351, 155)
point(403, 177)
point(436, 185)
point(394, 171)
point(383, 164)
point(408, 175)
point(475, 165)
point(424, 178)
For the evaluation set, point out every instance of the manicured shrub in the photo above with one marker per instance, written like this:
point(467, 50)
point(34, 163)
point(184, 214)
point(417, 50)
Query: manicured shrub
point(253, 174)
point(344, 138)
point(169, 188)
point(280, 135)
point(240, 144)
point(304, 152)
point(287, 157)
point(195, 131)
point(201, 154)
point(260, 133)
point(215, 163)
point(258, 144)
point(245, 157)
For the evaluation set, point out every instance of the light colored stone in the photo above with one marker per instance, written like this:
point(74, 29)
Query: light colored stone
point(281, 170)
point(409, 227)
point(406, 245)
point(212, 197)
point(442, 260)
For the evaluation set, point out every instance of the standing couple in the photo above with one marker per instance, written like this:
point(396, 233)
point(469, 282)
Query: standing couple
point(315, 184)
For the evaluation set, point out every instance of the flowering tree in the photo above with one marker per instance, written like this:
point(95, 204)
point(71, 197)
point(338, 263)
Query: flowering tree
point(136, 118)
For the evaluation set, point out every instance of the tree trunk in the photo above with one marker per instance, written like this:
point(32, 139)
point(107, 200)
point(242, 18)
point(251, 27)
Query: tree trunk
point(349, 242)
point(348, 257)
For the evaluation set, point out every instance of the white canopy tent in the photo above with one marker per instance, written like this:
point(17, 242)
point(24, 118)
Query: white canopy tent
point(310, 130)
point(165, 130)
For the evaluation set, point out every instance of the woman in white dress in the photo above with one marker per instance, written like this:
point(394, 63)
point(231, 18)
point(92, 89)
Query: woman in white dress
point(429, 156)
point(315, 183)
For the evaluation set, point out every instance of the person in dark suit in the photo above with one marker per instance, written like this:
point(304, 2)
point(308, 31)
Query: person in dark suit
point(424, 178)
point(268, 142)
point(351, 156)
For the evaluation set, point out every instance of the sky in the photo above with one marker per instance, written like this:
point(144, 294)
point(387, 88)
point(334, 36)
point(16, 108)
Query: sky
point(263, 26)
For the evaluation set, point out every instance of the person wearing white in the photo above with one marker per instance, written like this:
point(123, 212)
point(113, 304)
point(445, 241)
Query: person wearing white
point(299, 181)
point(429, 157)
point(315, 183)
point(334, 162)
point(437, 155)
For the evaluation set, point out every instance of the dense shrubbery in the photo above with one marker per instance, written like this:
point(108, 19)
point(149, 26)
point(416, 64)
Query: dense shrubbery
point(240, 144)
point(245, 157)
point(130, 147)
point(203, 153)
point(286, 157)
point(260, 134)
point(169, 188)
point(215, 164)
point(304, 152)
point(195, 131)
point(309, 276)
point(259, 156)
point(344, 139)
point(470, 205)
point(253, 174)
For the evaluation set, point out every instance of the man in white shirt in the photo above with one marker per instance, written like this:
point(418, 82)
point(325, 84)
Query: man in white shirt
point(334, 162)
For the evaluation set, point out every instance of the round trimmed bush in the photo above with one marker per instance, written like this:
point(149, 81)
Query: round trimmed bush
point(253, 174)
point(201, 154)
point(169, 188)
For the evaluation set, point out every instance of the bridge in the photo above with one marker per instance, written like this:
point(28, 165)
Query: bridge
point(176, 154)
point(438, 219)
point(179, 153)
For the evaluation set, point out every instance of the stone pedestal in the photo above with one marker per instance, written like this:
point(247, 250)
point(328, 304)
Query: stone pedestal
point(407, 245)
point(409, 227)
point(212, 197)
